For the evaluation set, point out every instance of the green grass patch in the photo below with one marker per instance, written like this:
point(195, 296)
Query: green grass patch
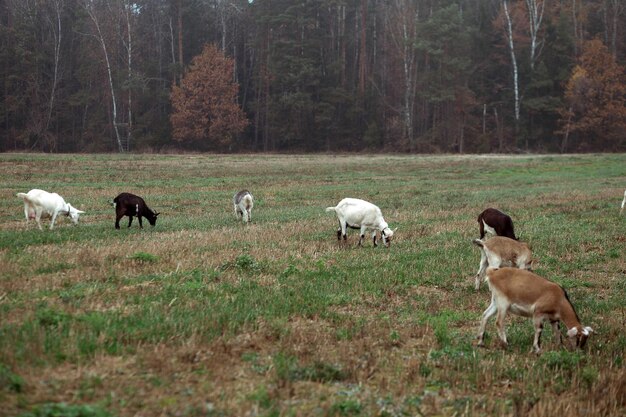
point(202, 315)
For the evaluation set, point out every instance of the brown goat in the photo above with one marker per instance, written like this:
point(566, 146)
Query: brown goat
point(529, 295)
point(502, 251)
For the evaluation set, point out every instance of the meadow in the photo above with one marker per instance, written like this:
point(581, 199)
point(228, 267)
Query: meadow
point(205, 316)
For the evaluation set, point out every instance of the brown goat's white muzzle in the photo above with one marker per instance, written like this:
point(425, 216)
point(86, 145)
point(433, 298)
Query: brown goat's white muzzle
point(578, 338)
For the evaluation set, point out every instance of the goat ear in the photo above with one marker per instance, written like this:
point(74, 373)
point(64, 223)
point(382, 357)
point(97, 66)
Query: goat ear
point(156, 213)
point(572, 332)
point(80, 212)
point(587, 330)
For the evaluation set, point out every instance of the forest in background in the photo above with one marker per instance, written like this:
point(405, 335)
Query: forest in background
point(421, 76)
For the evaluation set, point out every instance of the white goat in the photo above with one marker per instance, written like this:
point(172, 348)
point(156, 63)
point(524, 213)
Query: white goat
point(243, 202)
point(623, 203)
point(529, 295)
point(39, 203)
point(360, 214)
point(502, 251)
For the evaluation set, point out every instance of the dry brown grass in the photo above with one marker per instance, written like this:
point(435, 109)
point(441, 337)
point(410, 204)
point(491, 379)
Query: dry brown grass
point(398, 324)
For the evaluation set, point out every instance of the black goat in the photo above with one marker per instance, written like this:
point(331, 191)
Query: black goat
point(127, 204)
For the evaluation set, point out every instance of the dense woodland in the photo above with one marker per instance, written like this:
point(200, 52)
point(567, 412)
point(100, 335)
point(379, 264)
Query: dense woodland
point(313, 75)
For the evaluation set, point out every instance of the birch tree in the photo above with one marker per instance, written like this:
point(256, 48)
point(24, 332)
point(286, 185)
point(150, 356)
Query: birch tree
point(128, 12)
point(616, 8)
point(99, 36)
point(55, 28)
point(535, 10)
point(363, 47)
point(402, 31)
point(511, 45)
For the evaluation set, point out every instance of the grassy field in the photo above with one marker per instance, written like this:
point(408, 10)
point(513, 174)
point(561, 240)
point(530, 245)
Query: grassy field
point(203, 316)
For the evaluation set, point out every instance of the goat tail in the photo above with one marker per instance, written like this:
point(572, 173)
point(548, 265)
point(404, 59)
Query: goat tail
point(23, 196)
point(329, 209)
point(248, 200)
point(478, 242)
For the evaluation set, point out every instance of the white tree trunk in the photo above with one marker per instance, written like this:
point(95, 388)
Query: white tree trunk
point(567, 129)
point(513, 62)
point(129, 60)
point(56, 32)
point(173, 48)
point(100, 37)
point(617, 8)
point(404, 42)
point(535, 16)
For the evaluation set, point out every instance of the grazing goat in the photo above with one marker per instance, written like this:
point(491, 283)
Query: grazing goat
point(502, 251)
point(360, 214)
point(243, 202)
point(40, 203)
point(495, 222)
point(127, 204)
point(623, 203)
point(529, 295)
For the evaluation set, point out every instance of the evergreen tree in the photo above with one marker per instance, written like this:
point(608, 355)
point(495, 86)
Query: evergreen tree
point(445, 42)
point(543, 96)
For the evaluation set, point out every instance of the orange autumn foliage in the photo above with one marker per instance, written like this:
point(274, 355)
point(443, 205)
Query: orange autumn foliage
point(595, 97)
point(204, 107)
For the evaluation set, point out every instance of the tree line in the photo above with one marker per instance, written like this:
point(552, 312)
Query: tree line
point(313, 75)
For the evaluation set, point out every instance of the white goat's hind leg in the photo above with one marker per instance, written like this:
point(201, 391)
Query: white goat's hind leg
point(249, 215)
point(342, 223)
point(490, 311)
point(38, 218)
point(244, 216)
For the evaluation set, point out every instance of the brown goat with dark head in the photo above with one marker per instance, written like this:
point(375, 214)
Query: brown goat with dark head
point(131, 205)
